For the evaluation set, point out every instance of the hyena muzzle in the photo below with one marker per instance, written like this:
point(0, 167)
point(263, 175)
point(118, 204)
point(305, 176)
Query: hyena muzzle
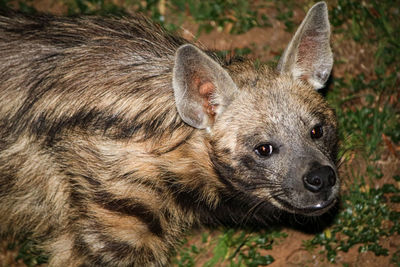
point(116, 137)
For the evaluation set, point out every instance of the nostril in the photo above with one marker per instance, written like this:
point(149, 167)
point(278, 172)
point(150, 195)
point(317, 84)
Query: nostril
point(319, 179)
point(312, 182)
point(316, 181)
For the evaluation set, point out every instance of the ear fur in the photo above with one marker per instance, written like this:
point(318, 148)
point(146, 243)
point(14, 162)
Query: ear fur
point(308, 55)
point(202, 88)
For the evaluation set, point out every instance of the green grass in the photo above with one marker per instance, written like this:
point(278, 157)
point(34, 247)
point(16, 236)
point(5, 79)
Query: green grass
point(363, 103)
point(28, 253)
point(363, 221)
point(235, 248)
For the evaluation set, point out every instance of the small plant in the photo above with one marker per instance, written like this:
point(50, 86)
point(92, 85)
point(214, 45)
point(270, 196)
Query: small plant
point(238, 15)
point(237, 248)
point(187, 255)
point(396, 258)
point(91, 7)
point(285, 14)
point(28, 253)
point(364, 219)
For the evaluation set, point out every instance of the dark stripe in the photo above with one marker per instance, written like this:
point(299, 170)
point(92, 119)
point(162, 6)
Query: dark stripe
point(112, 252)
point(82, 118)
point(122, 251)
point(131, 177)
point(112, 125)
point(178, 144)
point(110, 121)
point(126, 206)
point(128, 130)
point(35, 88)
point(256, 170)
point(248, 162)
point(7, 182)
point(118, 249)
point(187, 198)
point(153, 127)
point(130, 207)
point(93, 182)
point(224, 171)
point(40, 125)
point(226, 174)
point(144, 79)
point(76, 196)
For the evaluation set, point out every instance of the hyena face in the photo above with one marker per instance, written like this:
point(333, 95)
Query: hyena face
point(273, 135)
point(285, 151)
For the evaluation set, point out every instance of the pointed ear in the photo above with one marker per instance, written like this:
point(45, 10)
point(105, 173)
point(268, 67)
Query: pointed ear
point(308, 55)
point(202, 88)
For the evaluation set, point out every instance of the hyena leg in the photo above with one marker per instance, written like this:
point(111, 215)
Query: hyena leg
point(111, 241)
point(111, 230)
point(61, 251)
point(72, 250)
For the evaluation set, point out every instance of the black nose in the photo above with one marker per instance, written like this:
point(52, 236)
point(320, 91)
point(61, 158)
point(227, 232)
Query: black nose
point(319, 179)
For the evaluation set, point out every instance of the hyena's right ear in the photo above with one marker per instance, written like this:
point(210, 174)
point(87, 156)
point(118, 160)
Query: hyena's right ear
point(202, 88)
point(309, 56)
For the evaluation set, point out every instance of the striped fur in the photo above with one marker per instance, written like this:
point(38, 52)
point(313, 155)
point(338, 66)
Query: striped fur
point(96, 162)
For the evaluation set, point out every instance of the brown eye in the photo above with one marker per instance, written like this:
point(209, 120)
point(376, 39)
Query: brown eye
point(264, 150)
point(317, 132)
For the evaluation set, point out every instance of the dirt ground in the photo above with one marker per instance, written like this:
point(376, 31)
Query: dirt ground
point(266, 44)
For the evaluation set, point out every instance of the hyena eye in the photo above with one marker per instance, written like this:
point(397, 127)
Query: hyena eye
point(317, 132)
point(264, 150)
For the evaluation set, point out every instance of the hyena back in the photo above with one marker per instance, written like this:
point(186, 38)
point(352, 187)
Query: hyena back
point(117, 137)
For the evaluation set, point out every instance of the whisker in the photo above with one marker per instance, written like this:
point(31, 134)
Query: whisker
point(258, 205)
point(251, 212)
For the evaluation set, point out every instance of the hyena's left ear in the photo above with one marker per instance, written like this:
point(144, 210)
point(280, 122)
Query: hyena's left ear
point(202, 88)
point(308, 55)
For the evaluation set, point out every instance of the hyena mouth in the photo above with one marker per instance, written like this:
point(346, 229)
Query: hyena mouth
point(313, 194)
point(314, 210)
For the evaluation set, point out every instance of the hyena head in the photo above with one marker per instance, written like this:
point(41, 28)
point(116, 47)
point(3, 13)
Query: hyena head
point(272, 135)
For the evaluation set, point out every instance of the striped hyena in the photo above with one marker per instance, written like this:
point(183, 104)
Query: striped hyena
point(117, 137)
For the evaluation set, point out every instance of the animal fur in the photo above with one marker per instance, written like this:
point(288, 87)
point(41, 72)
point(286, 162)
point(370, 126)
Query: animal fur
point(116, 137)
